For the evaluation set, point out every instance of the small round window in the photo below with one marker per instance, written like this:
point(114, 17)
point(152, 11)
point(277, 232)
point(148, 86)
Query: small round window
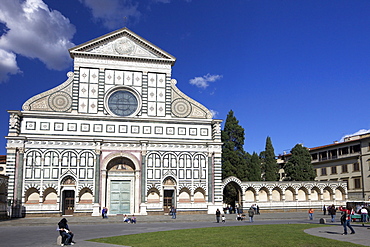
point(122, 103)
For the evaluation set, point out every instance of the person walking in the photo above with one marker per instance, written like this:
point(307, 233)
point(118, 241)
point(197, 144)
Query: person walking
point(251, 214)
point(364, 214)
point(348, 212)
point(310, 213)
point(218, 214)
point(324, 209)
point(223, 219)
point(332, 211)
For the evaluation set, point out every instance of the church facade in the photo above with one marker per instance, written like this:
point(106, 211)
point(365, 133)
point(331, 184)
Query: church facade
point(117, 133)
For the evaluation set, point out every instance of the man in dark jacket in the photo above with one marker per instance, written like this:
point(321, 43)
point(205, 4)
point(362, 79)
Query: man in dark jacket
point(333, 212)
point(67, 235)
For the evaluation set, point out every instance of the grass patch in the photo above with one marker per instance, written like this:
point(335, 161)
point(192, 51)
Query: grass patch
point(258, 235)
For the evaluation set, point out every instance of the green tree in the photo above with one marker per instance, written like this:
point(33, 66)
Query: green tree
point(233, 154)
point(270, 167)
point(299, 167)
point(253, 167)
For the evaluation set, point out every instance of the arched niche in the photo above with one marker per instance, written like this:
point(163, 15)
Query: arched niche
point(86, 196)
point(32, 196)
point(250, 195)
point(302, 194)
point(276, 194)
point(315, 194)
point(263, 195)
point(199, 195)
point(289, 194)
point(50, 196)
point(184, 195)
point(153, 196)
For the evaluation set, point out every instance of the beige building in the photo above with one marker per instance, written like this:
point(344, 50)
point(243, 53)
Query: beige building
point(347, 161)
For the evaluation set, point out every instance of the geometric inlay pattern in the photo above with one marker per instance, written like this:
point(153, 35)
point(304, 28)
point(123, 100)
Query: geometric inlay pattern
point(60, 101)
point(181, 108)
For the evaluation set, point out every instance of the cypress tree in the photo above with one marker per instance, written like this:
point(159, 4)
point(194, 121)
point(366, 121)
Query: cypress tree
point(253, 167)
point(299, 167)
point(233, 154)
point(270, 166)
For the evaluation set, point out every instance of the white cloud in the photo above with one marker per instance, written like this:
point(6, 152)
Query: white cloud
point(112, 13)
point(360, 132)
point(214, 113)
point(203, 82)
point(35, 31)
point(8, 65)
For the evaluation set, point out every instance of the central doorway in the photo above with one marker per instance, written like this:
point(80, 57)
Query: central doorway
point(120, 197)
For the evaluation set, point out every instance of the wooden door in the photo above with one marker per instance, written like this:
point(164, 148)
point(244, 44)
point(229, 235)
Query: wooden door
point(167, 200)
point(68, 202)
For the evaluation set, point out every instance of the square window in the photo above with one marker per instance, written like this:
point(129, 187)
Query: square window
point(158, 130)
point(204, 132)
point(85, 127)
point(44, 126)
point(30, 125)
point(72, 127)
point(170, 131)
point(110, 128)
point(98, 127)
point(182, 131)
point(147, 130)
point(135, 129)
point(123, 129)
point(58, 126)
point(193, 131)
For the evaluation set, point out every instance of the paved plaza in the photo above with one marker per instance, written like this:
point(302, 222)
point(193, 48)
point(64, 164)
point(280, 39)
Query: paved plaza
point(41, 232)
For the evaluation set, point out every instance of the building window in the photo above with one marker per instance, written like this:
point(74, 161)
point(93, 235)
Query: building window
point(356, 167)
point(343, 151)
point(323, 155)
point(314, 156)
point(355, 149)
point(333, 170)
point(323, 171)
point(344, 168)
point(333, 154)
point(357, 183)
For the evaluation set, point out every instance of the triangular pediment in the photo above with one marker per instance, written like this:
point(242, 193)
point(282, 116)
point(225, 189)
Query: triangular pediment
point(122, 44)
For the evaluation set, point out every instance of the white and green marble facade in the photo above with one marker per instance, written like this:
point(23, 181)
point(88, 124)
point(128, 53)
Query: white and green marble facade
point(70, 139)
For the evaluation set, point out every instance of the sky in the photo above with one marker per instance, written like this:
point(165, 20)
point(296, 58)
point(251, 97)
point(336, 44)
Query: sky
point(297, 71)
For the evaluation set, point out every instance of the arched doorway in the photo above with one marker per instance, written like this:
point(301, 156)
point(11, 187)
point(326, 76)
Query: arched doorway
point(120, 186)
point(169, 194)
point(68, 195)
point(232, 196)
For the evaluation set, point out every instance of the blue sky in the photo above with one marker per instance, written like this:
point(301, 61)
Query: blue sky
point(295, 70)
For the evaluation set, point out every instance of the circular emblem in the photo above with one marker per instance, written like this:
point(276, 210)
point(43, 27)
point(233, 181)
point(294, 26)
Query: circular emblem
point(60, 101)
point(122, 103)
point(181, 108)
point(124, 46)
